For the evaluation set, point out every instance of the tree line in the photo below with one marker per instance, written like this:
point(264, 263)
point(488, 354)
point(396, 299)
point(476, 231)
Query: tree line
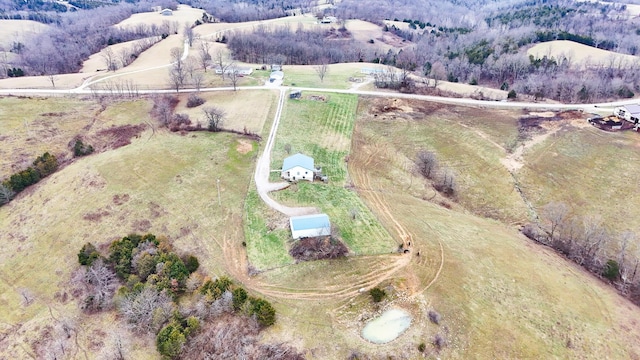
point(43, 166)
point(160, 292)
point(282, 45)
point(590, 243)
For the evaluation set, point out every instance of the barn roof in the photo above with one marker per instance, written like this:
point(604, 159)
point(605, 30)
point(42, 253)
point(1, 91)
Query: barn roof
point(633, 109)
point(308, 222)
point(276, 75)
point(298, 159)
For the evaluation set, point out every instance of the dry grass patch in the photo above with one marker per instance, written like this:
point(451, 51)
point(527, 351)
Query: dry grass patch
point(494, 283)
point(32, 126)
point(245, 109)
point(590, 169)
point(164, 181)
point(19, 31)
point(183, 15)
point(582, 56)
point(469, 141)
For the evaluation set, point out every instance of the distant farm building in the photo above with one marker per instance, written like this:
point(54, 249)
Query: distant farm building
point(371, 71)
point(298, 167)
point(630, 113)
point(234, 69)
point(310, 226)
point(276, 75)
point(166, 12)
point(328, 20)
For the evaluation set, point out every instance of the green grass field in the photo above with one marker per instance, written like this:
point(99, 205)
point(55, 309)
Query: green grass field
point(323, 130)
point(336, 77)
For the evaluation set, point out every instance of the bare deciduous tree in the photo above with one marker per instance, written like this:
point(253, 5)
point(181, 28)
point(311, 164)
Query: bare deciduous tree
point(556, 214)
point(214, 117)
point(204, 56)
point(177, 73)
point(6, 194)
point(322, 69)
point(109, 58)
point(100, 283)
point(221, 62)
point(197, 80)
point(446, 183)
point(147, 310)
point(234, 75)
point(426, 163)
point(188, 34)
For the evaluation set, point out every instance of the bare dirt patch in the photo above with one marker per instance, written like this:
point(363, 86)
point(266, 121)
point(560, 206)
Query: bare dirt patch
point(244, 146)
point(96, 216)
point(120, 199)
point(117, 136)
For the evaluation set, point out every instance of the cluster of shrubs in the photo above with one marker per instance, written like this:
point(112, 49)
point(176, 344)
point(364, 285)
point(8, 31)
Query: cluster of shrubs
point(42, 167)
point(161, 292)
point(81, 149)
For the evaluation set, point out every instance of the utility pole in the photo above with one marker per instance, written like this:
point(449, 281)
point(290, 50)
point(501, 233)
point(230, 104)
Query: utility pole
point(218, 186)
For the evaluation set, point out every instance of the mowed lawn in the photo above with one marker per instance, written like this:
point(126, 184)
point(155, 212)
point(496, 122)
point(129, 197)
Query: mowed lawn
point(322, 130)
point(163, 183)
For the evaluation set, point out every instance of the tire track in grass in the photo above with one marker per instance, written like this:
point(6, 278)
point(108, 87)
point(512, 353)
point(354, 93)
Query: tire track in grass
point(380, 203)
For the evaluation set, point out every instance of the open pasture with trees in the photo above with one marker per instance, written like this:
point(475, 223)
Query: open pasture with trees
point(468, 143)
point(245, 110)
point(160, 183)
point(493, 282)
point(32, 126)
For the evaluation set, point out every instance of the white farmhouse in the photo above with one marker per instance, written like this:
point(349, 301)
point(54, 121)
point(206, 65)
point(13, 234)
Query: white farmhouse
point(298, 167)
point(310, 226)
point(630, 113)
point(166, 12)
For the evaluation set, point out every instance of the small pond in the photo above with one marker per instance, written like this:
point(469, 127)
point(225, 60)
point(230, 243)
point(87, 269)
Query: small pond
point(387, 327)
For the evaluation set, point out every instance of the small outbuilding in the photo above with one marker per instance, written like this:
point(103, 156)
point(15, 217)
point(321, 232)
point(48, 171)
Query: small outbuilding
point(310, 226)
point(298, 167)
point(166, 12)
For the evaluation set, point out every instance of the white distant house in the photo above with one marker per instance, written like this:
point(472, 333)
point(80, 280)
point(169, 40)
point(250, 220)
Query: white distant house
point(298, 167)
point(328, 20)
point(628, 112)
point(310, 226)
point(276, 75)
point(231, 69)
point(166, 12)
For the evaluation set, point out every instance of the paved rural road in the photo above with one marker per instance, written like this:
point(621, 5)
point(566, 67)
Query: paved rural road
point(263, 165)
